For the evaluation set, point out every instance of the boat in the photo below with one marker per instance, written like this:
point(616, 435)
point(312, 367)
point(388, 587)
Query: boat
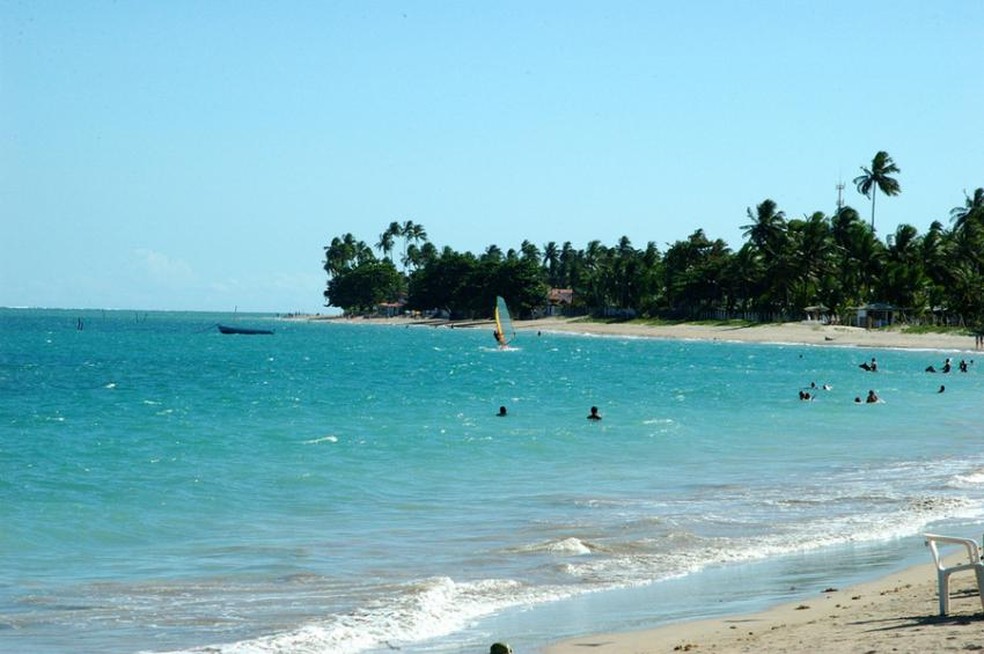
point(503, 323)
point(227, 329)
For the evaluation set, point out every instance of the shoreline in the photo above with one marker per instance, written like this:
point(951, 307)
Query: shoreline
point(802, 333)
point(896, 613)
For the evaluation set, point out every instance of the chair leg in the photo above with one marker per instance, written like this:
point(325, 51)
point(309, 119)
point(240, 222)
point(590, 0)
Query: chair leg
point(944, 583)
point(979, 571)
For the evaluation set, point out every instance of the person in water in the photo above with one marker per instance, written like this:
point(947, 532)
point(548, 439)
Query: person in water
point(502, 412)
point(942, 389)
point(500, 648)
point(594, 414)
point(872, 398)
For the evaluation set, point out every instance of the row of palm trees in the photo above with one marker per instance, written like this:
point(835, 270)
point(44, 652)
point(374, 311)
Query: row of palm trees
point(784, 265)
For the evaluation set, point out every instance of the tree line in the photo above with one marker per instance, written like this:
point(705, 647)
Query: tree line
point(784, 265)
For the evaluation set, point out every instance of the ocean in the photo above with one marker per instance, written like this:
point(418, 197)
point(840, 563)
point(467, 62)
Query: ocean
point(349, 488)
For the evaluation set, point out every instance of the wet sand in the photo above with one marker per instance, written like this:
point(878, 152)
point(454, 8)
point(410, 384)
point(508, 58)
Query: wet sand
point(896, 614)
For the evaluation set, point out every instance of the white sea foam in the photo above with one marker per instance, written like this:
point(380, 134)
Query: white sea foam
point(331, 438)
point(569, 546)
point(972, 479)
point(432, 608)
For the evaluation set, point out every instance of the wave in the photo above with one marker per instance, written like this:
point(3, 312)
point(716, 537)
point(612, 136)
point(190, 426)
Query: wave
point(324, 439)
point(428, 609)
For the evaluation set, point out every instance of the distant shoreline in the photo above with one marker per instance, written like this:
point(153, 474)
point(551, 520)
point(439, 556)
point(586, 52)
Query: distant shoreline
point(803, 333)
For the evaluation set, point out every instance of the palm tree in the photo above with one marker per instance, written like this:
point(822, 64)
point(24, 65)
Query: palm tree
point(973, 209)
point(877, 178)
point(385, 243)
point(529, 251)
point(410, 231)
point(551, 262)
point(340, 255)
point(767, 229)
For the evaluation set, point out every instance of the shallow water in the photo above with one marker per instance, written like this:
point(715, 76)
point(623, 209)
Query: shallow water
point(349, 488)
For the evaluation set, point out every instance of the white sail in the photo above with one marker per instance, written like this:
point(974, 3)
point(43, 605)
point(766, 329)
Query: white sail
point(503, 321)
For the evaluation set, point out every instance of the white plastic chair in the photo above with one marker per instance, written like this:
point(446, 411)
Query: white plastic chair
point(943, 572)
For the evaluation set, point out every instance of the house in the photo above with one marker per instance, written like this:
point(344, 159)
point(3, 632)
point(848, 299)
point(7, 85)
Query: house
point(558, 300)
point(390, 309)
point(876, 314)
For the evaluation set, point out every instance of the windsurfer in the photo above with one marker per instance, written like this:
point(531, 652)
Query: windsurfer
point(499, 338)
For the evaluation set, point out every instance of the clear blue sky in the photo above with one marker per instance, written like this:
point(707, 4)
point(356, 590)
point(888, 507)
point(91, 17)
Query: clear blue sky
point(199, 155)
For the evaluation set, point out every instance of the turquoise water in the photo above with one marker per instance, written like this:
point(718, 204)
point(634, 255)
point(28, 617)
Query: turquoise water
point(349, 488)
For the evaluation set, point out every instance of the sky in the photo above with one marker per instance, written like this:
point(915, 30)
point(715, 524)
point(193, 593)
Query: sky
point(190, 155)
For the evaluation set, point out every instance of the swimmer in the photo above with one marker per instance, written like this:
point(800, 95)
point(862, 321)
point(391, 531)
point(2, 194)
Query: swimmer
point(942, 388)
point(502, 412)
point(500, 648)
point(594, 414)
point(872, 398)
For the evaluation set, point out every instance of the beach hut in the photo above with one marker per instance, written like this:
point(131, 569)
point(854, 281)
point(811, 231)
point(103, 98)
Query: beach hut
point(818, 313)
point(389, 309)
point(875, 315)
point(558, 300)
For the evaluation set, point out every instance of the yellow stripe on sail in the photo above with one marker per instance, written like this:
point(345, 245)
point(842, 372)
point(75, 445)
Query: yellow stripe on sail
point(503, 322)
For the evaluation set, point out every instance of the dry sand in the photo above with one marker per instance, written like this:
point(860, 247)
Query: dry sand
point(899, 613)
point(791, 332)
point(811, 333)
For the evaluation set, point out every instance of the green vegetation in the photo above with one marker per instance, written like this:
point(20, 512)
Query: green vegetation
point(832, 263)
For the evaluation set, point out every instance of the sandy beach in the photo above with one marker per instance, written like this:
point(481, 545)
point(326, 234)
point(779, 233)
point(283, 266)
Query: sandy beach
point(898, 613)
point(792, 332)
point(809, 333)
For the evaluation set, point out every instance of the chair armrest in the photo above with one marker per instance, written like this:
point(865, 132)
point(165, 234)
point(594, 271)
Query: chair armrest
point(934, 540)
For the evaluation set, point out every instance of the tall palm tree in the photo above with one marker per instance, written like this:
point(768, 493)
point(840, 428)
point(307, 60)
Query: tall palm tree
point(767, 229)
point(973, 209)
point(551, 262)
point(412, 231)
point(340, 254)
point(877, 178)
point(385, 243)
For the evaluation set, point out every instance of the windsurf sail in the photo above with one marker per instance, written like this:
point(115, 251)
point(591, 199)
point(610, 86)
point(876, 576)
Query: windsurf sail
point(503, 322)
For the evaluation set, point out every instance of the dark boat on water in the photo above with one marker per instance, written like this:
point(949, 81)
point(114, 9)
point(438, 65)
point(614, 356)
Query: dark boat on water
point(226, 329)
